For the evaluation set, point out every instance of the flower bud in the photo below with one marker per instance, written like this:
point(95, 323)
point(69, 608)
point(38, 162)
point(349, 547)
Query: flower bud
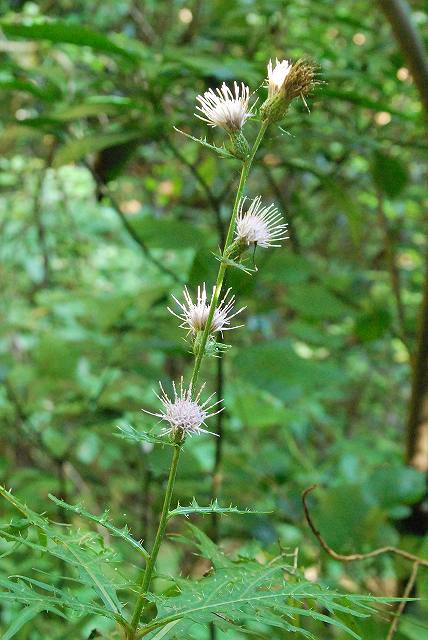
point(238, 145)
point(285, 82)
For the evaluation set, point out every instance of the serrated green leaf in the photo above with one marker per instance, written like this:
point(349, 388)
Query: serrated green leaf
point(84, 554)
point(245, 590)
point(25, 615)
point(214, 507)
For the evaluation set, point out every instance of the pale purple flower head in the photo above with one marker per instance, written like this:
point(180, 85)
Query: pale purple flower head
point(194, 315)
point(224, 108)
point(186, 416)
point(259, 224)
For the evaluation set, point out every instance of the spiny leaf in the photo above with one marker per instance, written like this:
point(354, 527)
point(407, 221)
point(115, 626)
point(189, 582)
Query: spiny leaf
point(247, 591)
point(234, 264)
point(59, 602)
point(214, 507)
point(103, 521)
point(25, 615)
point(84, 553)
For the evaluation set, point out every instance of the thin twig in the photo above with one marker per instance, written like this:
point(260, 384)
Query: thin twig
point(40, 226)
point(353, 557)
point(406, 593)
point(212, 199)
point(399, 15)
point(129, 228)
point(283, 200)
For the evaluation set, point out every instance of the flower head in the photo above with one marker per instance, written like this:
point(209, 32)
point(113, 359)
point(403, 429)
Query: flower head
point(293, 80)
point(259, 225)
point(285, 82)
point(224, 108)
point(194, 315)
point(185, 415)
point(277, 75)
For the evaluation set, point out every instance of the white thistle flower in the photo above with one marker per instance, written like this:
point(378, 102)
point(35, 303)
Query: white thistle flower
point(222, 108)
point(259, 225)
point(194, 315)
point(184, 415)
point(277, 75)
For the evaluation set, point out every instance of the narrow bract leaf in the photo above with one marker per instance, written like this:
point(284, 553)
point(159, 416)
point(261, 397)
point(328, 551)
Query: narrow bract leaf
point(129, 433)
point(221, 151)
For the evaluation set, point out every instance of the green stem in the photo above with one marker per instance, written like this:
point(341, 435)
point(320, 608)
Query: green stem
point(223, 266)
point(147, 574)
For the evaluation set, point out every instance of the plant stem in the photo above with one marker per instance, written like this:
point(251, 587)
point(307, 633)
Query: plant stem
point(223, 266)
point(147, 574)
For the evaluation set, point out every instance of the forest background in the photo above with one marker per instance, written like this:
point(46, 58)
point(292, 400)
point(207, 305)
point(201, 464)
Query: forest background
point(106, 210)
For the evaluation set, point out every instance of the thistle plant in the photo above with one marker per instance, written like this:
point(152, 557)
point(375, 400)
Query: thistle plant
point(234, 592)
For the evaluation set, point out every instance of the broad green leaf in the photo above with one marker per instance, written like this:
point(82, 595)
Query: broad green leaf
point(79, 148)
point(316, 301)
point(372, 324)
point(275, 367)
point(394, 484)
point(63, 32)
point(389, 174)
point(168, 233)
point(93, 106)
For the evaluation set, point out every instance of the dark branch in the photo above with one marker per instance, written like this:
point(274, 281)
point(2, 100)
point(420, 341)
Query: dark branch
point(399, 16)
point(354, 557)
point(400, 609)
point(212, 199)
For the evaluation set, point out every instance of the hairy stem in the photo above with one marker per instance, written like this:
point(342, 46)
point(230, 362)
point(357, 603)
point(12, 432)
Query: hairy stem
point(229, 239)
point(146, 576)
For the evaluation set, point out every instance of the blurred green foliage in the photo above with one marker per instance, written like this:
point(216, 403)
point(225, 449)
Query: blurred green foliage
point(106, 211)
